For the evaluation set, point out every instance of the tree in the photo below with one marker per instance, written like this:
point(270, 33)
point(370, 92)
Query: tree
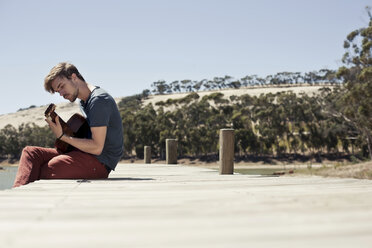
point(160, 87)
point(356, 102)
point(11, 144)
point(144, 129)
point(186, 85)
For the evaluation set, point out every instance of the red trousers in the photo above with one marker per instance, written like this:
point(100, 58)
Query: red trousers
point(47, 163)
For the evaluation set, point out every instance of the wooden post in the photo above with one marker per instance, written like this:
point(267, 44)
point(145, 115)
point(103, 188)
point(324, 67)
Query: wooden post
point(226, 151)
point(147, 154)
point(171, 151)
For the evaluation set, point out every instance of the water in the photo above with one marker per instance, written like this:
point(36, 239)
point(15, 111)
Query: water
point(7, 175)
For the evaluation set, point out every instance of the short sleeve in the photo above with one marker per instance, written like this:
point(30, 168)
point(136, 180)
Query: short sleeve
point(99, 112)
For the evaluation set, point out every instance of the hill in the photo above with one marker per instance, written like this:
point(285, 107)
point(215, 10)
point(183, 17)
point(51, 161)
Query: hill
point(66, 110)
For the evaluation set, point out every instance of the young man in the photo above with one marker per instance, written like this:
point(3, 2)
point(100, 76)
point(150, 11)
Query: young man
point(95, 155)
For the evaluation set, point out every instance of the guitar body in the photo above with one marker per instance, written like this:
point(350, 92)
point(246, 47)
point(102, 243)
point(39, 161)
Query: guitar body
point(76, 126)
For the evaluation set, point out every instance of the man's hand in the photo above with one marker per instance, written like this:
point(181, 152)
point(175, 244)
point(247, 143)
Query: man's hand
point(55, 127)
point(93, 145)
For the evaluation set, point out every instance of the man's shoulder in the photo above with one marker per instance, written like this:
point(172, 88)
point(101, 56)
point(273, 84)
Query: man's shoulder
point(99, 98)
point(100, 94)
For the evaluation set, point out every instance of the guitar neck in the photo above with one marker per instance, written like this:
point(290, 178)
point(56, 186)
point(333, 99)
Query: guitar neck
point(50, 113)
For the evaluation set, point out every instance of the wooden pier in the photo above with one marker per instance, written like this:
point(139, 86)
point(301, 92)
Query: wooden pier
point(152, 205)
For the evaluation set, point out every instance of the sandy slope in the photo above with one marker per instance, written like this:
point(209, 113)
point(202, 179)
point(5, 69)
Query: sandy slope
point(36, 115)
point(229, 92)
point(66, 110)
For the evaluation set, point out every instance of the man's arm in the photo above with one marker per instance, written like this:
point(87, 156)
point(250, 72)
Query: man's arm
point(93, 146)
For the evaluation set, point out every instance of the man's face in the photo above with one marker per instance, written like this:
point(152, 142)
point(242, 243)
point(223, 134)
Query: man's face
point(66, 88)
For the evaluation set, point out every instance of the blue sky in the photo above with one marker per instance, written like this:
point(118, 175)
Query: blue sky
point(125, 46)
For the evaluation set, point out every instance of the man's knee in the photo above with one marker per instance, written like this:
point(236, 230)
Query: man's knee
point(28, 149)
point(31, 150)
point(54, 168)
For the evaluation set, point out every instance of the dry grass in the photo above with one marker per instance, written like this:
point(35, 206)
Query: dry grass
point(359, 171)
point(252, 91)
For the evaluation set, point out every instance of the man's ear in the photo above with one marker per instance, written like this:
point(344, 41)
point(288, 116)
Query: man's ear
point(73, 76)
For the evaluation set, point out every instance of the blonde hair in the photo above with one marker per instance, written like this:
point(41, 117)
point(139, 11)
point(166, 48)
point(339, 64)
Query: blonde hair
point(63, 69)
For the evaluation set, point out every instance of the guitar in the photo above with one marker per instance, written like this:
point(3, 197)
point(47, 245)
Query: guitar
point(76, 126)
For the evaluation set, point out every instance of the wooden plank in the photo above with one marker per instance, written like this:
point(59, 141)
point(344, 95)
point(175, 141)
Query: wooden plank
point(143, 205)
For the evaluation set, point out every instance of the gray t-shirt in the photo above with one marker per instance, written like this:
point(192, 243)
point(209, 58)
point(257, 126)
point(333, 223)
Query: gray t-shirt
point(101, 110)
